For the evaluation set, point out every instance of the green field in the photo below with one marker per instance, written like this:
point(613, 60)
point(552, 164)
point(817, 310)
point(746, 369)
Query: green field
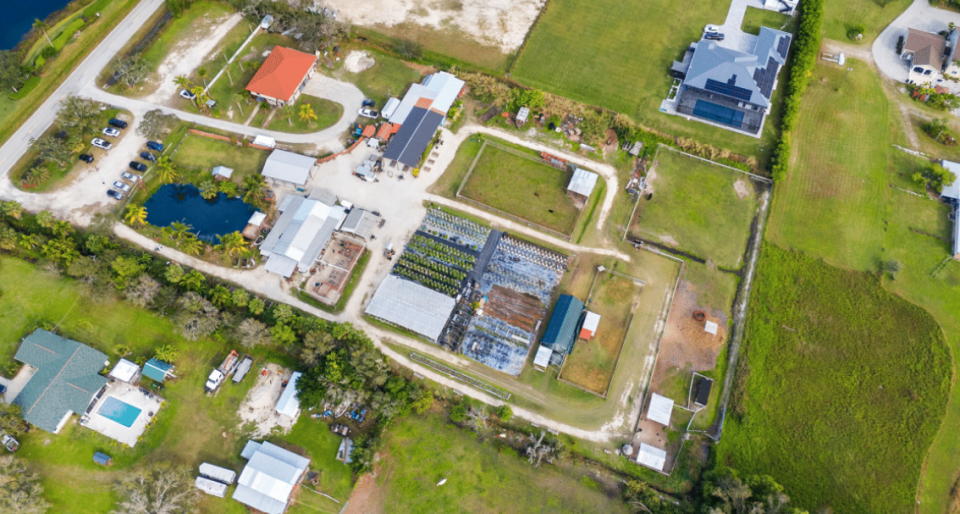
point(200, 153)
point(328, 112)
point(613, 55)
point(696, 208)
point(756, 18)
point(190, 429)
point(388, 77)
point(424, 450)
point(523, 187)
point(874, 15)
point(841, 390)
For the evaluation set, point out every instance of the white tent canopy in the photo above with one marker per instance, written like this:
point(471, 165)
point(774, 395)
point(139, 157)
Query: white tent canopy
point(125, 371)
point(651, 457)
point(660, 409)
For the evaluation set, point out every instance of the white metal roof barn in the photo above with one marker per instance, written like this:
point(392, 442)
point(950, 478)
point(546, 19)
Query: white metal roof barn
point(583, 182)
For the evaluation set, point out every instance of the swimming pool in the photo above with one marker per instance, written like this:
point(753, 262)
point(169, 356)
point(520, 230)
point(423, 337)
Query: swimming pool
point(121, 412)
point(206, 218)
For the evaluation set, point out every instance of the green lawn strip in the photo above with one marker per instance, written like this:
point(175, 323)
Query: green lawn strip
point(696, 208)
point(833, 203)
point(425, 449)
point(388, 77)
point(196, 157)
point(873, 15)
point(13, 113)
point(841, 390)
point(585, 219)
point(756, 18)
point(347, 291)
point(561, 56)
point(328, 112)
point(60, 28)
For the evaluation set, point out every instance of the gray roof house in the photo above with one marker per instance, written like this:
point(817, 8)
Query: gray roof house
point(269, 478)
point(66, 380)
point(289, 167)
point(360, 223)
point(729, 88)
point(299, 234)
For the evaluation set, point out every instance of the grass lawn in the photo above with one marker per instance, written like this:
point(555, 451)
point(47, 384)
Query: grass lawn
point(426, 449)
point(832, 203)
point(841, 390)
point(328, 113)
point(756, 18)
point(523, 187)
point(592, 363)
point(190, 429)
point(15, 112)
point(874, 15)
point(696, 208)
point(200, 153)
point(388, 77)
point(598, 54)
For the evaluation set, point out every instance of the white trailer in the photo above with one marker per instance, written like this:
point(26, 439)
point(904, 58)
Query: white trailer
point(211, 487)
point(227, 476)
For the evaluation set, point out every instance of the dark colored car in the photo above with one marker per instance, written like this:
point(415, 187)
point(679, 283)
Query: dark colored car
point(148, 156)
point(713, 36)
point(367, 102)
point(153, 145)
point(113, 193)
point(120, 124)
point(138, 166)
point(87, 158)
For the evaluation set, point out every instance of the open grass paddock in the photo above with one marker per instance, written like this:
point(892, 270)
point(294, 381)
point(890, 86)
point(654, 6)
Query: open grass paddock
point(841, 389)
point(696, 208)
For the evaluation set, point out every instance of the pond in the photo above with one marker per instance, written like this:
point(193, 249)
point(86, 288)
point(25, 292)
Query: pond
point(207, 218)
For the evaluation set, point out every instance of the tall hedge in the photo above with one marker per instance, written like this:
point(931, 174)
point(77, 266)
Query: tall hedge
point(806, 45)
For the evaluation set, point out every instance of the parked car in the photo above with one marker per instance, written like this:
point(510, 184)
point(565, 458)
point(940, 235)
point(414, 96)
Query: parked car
point(369, 113)
point(111, 132)
point(187, 94)
point(711, 28)
point(87, 158)
point(367, 102)
point(100, 143)
point(129, 176)
point(153, 145)
point(148, 156)
point(713, 36)
point(121, 186)
point(136, 166)
point(3, 389)
point(113, 193)
point(120, 124)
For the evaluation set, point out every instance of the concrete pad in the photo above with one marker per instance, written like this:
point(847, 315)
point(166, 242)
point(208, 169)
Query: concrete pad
point(148, 403)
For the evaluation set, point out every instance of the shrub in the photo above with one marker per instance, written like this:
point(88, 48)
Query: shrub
point(504, 412)
point(408, 49)
point(855, 32)
point(458, 413)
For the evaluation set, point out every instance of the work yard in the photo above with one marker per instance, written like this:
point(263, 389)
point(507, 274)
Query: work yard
point(516, 181)
point(422, 451)
point(841, 387)
point(615, 298)
point(696, 207)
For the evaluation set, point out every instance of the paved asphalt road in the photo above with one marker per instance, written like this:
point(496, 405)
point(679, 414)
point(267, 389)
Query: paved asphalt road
point(84, 74)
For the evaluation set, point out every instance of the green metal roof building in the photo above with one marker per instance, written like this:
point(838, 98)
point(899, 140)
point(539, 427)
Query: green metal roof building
point(562, 330)
point(157, 369)
point(66, 380)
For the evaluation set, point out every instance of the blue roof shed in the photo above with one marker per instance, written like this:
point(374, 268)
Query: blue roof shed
point(156, 369)
point(562, 329)
point(102, 459)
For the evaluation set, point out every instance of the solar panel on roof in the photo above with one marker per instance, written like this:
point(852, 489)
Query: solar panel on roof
point(764, 77)
point(783, 45)
point(400, 140)
point(718, 113)
point(728, 90)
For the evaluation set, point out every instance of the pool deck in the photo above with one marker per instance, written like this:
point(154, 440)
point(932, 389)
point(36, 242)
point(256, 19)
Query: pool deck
point(149, 404)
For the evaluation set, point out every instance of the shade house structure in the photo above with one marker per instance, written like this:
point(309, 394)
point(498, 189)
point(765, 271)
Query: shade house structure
point(651, 457)
point(660, 409)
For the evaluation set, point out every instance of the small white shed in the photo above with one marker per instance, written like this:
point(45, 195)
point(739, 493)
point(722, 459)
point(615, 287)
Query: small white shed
point(651, 457)
point(125, 371)
point(661, 408)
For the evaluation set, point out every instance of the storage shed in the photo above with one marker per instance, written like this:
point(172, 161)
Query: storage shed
point(562, 329)
point(542, 359)
point(288, 404)
point(157, 370)
point(390, 107)
point(125, 371)
point(103, 459)
point(590, 323)
point(582, 182)
point(703, 392)
point(660, 409)
point(222, 173)
point(651, 457)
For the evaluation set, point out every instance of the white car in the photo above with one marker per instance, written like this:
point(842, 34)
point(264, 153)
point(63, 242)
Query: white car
point(100, 143)
point(711, 29)
point(121, 186)
point(111, 132)
point(128, 176)
point(369, 113)
point(187, 94)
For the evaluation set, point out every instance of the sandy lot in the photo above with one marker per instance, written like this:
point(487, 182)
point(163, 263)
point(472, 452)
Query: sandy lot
point(188, 54)
point(358, 61)
point(502, 23)
point(259, 406)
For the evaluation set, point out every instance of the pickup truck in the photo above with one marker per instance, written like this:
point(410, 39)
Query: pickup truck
point(217, 376)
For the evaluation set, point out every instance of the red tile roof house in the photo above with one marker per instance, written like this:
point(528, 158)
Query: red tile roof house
point(282, 76)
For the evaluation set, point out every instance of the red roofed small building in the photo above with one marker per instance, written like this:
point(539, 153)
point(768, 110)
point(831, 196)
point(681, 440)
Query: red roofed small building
point(282, 76)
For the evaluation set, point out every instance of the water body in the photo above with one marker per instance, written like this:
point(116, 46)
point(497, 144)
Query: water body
point(18, 18)
point(208, 218)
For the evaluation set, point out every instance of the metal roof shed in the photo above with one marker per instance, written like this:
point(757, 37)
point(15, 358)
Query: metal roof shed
point(583, 182)
point(157, 370)
point(289, 167)
point(227, 476)
point(390, 107)
point(590, 323)
point(103, 459)
point(660, 409)
point(411, 306)
point(651, 457)
point(222, 172)
point(269, 477)
point(542, 359)
point(211, 487)
point(125, 371)
point(288, 404)
point(562, 329)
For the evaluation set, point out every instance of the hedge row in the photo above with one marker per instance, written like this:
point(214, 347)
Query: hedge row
point(806, 45)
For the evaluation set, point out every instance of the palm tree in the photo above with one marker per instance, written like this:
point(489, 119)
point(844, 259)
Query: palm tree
point(228, 187)
point(167, 353)
point(306, 113)
point(12, 209)
point(202, 73)
point(166, 170)
point(191, 245)
point(254, 184)
point(220, 296)
point(208, 189)
point(182, 81)
point(192, 281)
point(232, 242)
point(37, 175)
point(62, 229)
point(41, 26)
point(286, 112)
point(28, 241)
point(180, 230)
point(136, 214)
point(198, 94)
point(240, 96)
point(46, 220)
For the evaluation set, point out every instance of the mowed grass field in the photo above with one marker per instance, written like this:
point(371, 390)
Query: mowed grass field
point(197, 152)
point(191, 427)
point(841, 15)
point(423, 450)
point(696, 208)
point(592, 363)
point(615, 55)
point(841, 389)
point(521, 186)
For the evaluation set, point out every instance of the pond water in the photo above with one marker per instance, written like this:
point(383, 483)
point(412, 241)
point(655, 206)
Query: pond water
point(207, 218)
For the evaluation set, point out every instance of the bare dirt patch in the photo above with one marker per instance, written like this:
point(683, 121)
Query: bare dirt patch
point(501, 23)
point(685, 343)
point(741, 188)
point(357, 61)
point(259, 407)
point(366, 498)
